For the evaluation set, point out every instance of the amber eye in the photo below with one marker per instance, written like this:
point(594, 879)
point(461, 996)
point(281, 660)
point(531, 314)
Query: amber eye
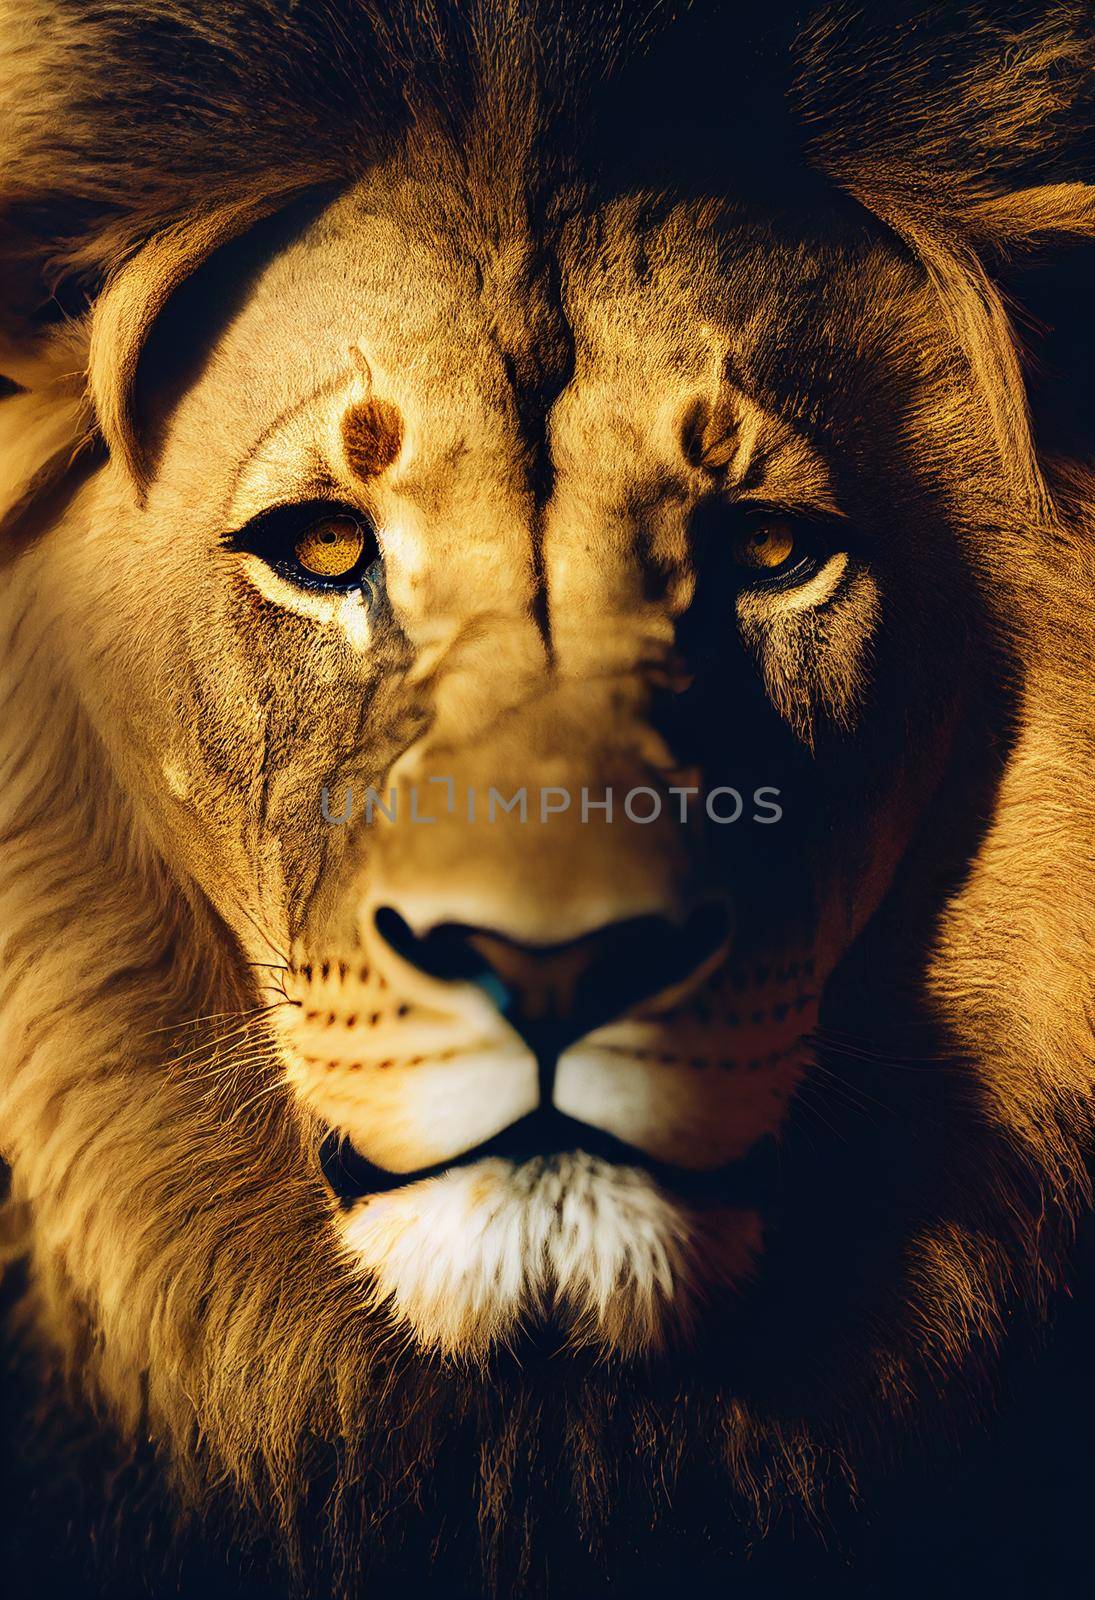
point(316, 544)
point(330, 548)
point(766, 546)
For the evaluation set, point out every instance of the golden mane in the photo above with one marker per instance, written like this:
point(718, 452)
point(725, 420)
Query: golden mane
point(139, 1091)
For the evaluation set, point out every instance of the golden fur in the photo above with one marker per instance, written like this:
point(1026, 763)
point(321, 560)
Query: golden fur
point(364, 253)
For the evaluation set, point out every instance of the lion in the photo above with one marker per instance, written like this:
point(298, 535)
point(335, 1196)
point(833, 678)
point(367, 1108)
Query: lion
point(547, 885)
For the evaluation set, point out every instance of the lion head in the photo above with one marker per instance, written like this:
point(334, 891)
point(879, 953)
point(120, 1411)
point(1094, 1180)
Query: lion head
point(546, 879)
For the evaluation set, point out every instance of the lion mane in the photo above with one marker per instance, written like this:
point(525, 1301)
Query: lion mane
point(194, 1365)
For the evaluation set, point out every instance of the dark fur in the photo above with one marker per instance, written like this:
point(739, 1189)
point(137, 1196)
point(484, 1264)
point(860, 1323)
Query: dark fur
point(119, 122)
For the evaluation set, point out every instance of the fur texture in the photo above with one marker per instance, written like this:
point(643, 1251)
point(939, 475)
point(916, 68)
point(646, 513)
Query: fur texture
point(591, 330)
point(586, 1232)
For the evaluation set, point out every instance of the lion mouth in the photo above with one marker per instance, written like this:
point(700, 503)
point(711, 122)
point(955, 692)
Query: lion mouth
point(545, 1134)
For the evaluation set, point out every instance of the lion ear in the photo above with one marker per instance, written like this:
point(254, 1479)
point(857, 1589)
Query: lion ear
point(166, 304)
point(1028, 219)
point(1038, 247)
point(127, 311)
point(968, 131)
point(118, 123)
point(73, 386)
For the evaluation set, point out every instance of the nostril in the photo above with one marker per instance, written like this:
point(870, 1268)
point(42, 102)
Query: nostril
point(554, 994)
point(448, 952)
point(441, 953)
point(633, 960)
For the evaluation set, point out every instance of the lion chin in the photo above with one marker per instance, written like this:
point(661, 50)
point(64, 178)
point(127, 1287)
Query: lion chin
point(469, 1259)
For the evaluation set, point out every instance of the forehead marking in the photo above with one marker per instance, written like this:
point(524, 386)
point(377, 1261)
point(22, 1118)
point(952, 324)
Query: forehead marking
point(372, 434)
point(755, 451)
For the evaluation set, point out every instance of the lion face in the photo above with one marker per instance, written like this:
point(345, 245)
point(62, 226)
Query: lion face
point(545, 650)
point(524, 688)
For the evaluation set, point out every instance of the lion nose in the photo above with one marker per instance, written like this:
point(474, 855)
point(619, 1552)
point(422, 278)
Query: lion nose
point(552, 995)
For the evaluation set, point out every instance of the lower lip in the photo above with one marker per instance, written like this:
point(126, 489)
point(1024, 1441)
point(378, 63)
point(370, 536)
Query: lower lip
point(541, 1135)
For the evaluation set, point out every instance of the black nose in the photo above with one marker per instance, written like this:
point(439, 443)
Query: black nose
point(554, 994)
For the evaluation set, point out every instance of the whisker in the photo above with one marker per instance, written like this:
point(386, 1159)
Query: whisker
point(267, 1089)
point(826, 1039)
point(808, 1104)
point(853, 1093)
point(282, 955)
point(224, 1040)
point(196, 1022)
point(226, 1084)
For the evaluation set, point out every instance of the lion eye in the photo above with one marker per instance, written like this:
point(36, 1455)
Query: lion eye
point(767, 546)
point(331, 548)
point(315, 544)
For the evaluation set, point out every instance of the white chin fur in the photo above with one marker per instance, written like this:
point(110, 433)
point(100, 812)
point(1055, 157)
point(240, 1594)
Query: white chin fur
point(464, 1260)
